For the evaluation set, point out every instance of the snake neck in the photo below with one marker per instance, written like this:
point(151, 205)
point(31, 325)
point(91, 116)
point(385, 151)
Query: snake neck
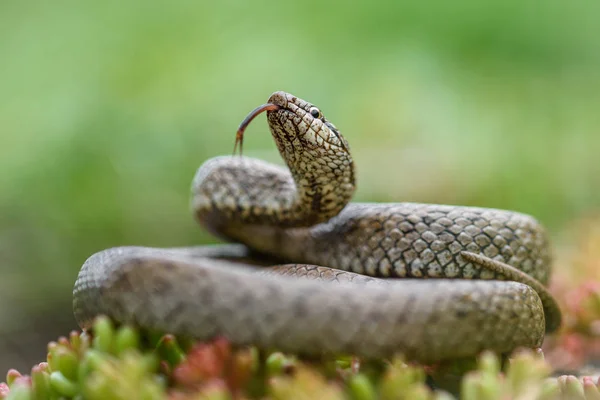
point(323, 180)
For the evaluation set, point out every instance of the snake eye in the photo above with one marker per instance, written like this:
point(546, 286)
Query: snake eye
point(315, 112)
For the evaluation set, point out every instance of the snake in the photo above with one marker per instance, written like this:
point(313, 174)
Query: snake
point(308, 271)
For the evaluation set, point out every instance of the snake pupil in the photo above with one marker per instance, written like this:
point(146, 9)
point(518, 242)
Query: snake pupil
point(314, 111)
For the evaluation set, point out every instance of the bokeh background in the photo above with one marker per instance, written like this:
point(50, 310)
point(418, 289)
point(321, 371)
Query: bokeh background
point(107, 109)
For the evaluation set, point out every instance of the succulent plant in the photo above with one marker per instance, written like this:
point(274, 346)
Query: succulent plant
point(124, 363)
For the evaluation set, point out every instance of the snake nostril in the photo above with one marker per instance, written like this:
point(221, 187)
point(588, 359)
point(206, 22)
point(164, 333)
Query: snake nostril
point(279, 98)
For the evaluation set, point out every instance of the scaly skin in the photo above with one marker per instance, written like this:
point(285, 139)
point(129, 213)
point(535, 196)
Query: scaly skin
point(488, 266)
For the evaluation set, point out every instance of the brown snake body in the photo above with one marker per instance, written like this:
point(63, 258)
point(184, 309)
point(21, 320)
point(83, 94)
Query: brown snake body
point(487, 268)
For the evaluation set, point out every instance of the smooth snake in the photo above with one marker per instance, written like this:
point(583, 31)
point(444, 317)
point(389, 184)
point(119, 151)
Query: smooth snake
point(303, 215)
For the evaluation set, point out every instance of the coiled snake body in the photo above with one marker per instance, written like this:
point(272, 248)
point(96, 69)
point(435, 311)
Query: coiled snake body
point(303, 216)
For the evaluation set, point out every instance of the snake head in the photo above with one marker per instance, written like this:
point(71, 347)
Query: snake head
point(316, 154)
point(299, 125)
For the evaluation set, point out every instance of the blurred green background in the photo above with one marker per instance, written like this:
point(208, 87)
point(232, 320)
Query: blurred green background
point(107, 108)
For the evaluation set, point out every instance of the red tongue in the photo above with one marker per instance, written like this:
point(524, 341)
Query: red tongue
point(239, 136)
